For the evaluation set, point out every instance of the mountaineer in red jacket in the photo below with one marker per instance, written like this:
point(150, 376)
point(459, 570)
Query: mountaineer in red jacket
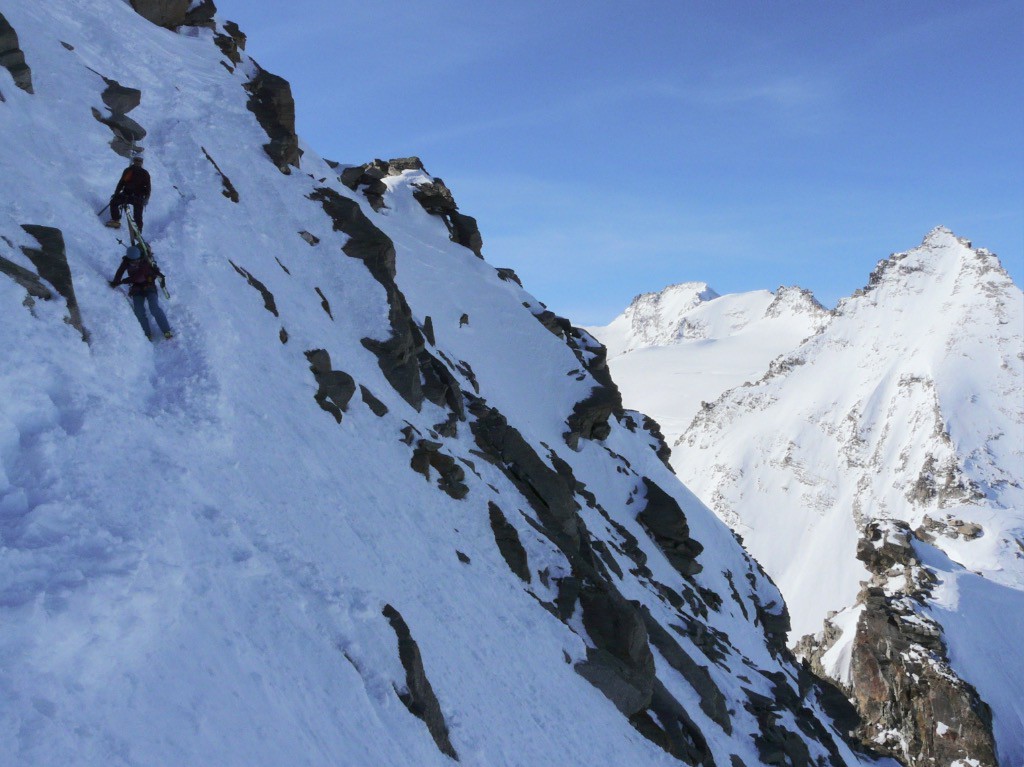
point(133, 189)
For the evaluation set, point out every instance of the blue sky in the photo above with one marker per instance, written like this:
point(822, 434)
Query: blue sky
point(612, 148)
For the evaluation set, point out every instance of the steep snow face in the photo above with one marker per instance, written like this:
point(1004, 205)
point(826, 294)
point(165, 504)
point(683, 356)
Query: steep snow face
point(907, 406)
point(673, 350)
point(338, 519)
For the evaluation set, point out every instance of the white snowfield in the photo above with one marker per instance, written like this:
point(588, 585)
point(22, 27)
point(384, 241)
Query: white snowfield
point(909, 403)
point(194, 556)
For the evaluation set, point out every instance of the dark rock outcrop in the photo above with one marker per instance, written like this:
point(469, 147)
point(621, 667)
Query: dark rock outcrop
point(590, 416)
point(227, 188)
point(427, 456)
point(547, 492)
point(712, 701)
point(163, 13)
point(418, 695)
point(270, 99)
point(367, 177)
point(202, 15)
point(324, 303)
point(666, 524)
point(12, 58)
point(509, 545)
point(672, 728)
point(268, 298)
point(51, 262)
point(126, 132)
point(231, 42)
point(436, 198)
point(901, 681)
point(27, 280)
point(119, 100)
point(466, 232)
point(176, 13)
point(589, 419)
point(377, 407)
point(413, 372)
point(335, 386)
point(633, 419)
point(622, 664)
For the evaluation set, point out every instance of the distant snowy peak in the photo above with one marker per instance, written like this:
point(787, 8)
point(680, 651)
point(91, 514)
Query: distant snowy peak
point(794, 301)
point(658, 319)
point(942, 263)
point(691, 311)
point(904, 409)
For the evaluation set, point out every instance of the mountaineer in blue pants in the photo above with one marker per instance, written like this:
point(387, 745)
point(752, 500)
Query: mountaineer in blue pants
point(142, 275)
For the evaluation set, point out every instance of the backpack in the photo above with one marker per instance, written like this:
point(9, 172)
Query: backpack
point(142, 273)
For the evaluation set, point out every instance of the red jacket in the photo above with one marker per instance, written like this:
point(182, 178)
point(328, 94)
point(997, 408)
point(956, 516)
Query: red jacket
point(134, 182)
point(142, 275)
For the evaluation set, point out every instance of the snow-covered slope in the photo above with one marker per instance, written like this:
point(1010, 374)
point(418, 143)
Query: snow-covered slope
point(907, 407)
point(673, 350)
point(373, 505)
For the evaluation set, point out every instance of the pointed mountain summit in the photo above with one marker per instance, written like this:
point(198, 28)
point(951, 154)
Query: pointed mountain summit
point(877, 473)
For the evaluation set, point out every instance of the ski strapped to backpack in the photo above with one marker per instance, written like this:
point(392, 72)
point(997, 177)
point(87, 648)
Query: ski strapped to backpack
point(147, 252)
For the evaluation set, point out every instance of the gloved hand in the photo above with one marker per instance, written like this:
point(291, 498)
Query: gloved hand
point(114, 284)
point(163, 281)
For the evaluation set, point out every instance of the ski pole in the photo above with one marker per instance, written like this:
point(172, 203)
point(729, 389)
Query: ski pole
point(103, 209)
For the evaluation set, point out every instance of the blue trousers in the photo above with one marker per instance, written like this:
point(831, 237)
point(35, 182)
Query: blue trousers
point(139, 304)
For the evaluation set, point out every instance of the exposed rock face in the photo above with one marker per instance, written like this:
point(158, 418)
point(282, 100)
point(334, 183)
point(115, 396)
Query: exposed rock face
point(418, 695)
point(176, 13)
point(268, 298)
point(377, 407)
point(164, 13)
point(12, 58)
point(666, 524)
point(201, 15)
point(231, 42)
point(120, 100)
point(913, 706)
point(435, 197)
point(428, 455)
point(227, 188)
point(27, 280)
point(621, 664)
point(589, 419)
point(270, 99)
point(413, 372)
point(509, 545)
point(51, 261)
point(336, 387)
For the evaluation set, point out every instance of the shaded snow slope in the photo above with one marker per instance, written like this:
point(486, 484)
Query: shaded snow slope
point(337, 520)
point(673, 350)
point(907, 406)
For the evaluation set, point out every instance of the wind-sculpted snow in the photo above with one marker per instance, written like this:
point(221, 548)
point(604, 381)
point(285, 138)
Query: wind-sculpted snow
point(213, 552)
point(907, 407)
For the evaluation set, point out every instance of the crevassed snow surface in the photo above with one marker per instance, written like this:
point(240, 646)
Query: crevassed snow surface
point(194, 556)
point(908, 404)
point(673, 350)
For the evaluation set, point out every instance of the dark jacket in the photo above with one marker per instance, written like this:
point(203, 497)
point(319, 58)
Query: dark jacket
point(134, 183)
point(142, 275)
